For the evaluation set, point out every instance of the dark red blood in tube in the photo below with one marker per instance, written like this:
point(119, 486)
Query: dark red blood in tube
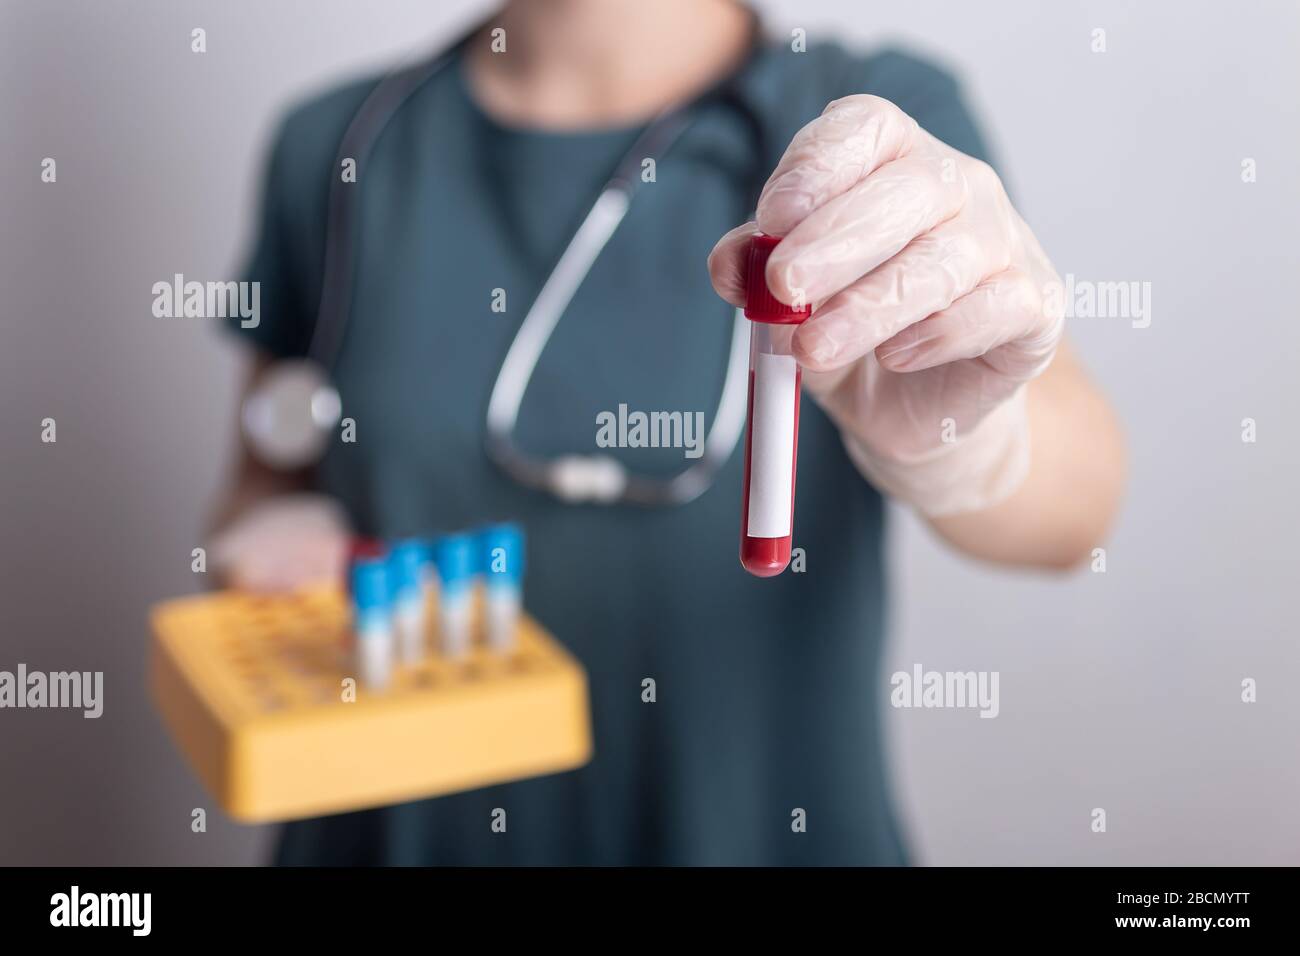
point(766, 557)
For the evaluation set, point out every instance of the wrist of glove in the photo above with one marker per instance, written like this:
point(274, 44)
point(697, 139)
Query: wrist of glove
point(969, 473)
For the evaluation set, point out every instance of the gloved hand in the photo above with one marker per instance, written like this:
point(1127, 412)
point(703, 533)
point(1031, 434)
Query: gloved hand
point(284, 543)
point(930, 295)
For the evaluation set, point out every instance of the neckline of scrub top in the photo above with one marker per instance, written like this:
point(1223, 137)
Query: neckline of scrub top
point(518, 131)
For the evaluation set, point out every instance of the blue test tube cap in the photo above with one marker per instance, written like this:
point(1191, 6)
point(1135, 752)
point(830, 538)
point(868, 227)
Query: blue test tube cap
point(454, 556)
point(406, 565)
point(501, 550)
point(370, 584)
point(426, 555)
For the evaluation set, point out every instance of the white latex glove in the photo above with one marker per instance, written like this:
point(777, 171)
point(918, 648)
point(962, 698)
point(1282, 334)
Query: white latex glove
point(283, 544)
point(930, 299)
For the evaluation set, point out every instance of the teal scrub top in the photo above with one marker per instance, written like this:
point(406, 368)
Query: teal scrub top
point(768, 693)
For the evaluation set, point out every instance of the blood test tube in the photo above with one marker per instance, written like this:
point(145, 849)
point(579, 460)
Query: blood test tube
point(372, 622)
point(406, 571)
point(502, 549)
point(455, 557)
point(772, 435)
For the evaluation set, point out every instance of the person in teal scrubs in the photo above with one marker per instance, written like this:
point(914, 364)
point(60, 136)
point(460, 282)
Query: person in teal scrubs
point(769, 693)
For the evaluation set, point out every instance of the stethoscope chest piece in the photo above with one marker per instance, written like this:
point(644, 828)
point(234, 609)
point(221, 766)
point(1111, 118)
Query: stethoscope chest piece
point(289, 417)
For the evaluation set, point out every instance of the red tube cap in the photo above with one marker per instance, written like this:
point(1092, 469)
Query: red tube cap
point(760, 304)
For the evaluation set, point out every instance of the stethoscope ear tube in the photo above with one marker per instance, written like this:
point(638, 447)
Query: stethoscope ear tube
point(340, 256)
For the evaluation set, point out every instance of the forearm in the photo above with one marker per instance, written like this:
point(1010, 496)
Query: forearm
point(1072, 491)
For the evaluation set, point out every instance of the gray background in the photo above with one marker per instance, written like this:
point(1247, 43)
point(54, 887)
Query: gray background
point(1118, 690)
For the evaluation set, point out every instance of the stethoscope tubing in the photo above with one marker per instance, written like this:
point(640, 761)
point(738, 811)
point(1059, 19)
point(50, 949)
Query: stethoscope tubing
point(574, 478)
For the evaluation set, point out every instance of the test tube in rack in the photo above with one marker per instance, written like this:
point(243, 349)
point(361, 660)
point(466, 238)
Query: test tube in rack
point(372, 622)
point(502, 550)
point(455, 557)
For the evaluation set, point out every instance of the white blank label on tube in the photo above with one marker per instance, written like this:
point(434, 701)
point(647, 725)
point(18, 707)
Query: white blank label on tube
point(771, 449)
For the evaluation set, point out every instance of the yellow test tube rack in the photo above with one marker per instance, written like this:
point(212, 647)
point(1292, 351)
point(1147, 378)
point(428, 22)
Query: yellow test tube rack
point(255, 692)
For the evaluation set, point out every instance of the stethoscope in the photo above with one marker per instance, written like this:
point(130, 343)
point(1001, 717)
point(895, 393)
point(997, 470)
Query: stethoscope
point(292, 413)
